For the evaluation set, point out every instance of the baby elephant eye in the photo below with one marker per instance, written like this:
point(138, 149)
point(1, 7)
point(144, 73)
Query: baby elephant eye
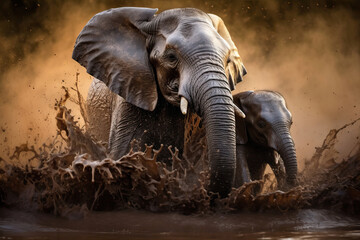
point(261, 123)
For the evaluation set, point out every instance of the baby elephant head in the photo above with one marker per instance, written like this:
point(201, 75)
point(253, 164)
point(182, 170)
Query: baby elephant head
point(268, 124)
point(184, 56)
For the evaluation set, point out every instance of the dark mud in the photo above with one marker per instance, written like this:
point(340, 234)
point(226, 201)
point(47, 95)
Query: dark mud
point(74, 178)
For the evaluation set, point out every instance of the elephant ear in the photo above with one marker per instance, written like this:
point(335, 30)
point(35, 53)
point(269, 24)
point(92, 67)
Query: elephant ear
point(241, 132)
point(235, 69)
point(112, 48)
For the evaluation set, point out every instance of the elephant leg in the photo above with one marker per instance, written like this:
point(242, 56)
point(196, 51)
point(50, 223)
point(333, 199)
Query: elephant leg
point(256, 159)
point(255, 156)
point(242, 174)
point(125, 122)
point(155, 128)
point(99, 105)
point(258, 172)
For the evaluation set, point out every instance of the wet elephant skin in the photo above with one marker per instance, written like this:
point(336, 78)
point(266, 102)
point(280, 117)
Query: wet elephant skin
point(181, 60)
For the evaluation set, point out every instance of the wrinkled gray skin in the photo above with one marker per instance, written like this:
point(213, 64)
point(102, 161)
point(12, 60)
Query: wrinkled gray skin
point(268, 140)
point(151, 61)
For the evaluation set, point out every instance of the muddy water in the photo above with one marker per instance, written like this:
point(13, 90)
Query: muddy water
point(133, 224)
point(71, 189)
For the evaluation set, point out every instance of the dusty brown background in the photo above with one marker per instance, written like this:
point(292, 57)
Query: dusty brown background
point(307, 50)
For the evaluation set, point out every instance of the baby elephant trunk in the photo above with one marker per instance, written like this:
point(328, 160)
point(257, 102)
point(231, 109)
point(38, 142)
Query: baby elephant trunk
point(286, 149)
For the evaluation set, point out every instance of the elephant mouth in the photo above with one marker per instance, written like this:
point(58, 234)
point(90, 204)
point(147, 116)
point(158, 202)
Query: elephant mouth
point(177, 99)
point(173, 86)
point(172, 92)
point(174, 99)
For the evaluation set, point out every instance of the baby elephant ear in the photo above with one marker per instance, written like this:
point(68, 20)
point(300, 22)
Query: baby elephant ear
point(112, 48)
point(235, 69)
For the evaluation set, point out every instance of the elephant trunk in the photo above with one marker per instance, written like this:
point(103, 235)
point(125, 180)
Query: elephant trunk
point(220, 135)
point(286, 149)
point(214, 104)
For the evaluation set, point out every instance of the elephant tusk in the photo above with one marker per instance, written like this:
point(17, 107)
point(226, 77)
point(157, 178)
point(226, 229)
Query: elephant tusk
point(238, 111)
point(183, 105)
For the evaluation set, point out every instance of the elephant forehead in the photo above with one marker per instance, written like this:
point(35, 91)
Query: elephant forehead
point(264, 95)
point(184, 20)
point(193, 37)
point(268, 105)
point(266, 100)
point(197, 28)
point(182, 13)
point(273, 112)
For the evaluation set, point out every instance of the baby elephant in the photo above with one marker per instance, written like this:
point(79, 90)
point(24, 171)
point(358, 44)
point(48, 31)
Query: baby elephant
point(267, 139)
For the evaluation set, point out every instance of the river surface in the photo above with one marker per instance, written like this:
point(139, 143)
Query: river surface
point(134, 224)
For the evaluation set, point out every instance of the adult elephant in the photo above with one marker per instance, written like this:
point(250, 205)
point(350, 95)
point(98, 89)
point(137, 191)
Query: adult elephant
point(157, 63)
point(267, 125)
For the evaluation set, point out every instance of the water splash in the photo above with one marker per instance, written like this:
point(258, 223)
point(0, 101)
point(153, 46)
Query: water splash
point(74, 174)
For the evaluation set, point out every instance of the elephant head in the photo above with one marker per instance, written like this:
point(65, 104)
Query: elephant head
point(185, 55)
point(268, 123)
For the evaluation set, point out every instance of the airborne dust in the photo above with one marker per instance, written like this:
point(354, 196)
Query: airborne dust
point(307, 51)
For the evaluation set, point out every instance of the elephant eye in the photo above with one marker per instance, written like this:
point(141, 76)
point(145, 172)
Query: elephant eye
point(261, 123)
point(170, 59)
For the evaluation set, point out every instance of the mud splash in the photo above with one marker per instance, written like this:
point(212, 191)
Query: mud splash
point(74, 175)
